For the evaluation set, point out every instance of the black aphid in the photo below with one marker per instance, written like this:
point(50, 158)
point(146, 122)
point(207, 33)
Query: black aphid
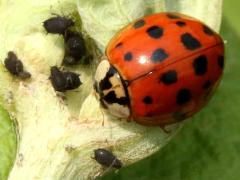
point(106, 158)
point(63, 81)
point(15, 66)
point(72, 80)
point(75, 48)
point(57, 24)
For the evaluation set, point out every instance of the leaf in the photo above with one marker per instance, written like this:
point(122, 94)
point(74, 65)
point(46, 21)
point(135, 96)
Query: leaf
point(231, 9)
point(8, 144)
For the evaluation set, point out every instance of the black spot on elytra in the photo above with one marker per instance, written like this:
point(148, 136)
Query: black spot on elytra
point(139, 23)
point(169, 77)
point(128, 56)
point(159, 55)
point(180, 23)
point(173, 16)
point(112, 98)
point(200, 65)
point(183, 96)
point(147, 100)
point(207, 84)
point(155, 32)
point(105, 83)
point(221, 62)
point(190, 42)
point(119, 45)
point(207, 30)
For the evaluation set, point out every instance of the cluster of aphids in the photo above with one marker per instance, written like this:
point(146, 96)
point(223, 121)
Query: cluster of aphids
point(75, 51)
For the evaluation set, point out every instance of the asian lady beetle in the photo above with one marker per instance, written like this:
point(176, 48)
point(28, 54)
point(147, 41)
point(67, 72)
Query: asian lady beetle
point(160, 69)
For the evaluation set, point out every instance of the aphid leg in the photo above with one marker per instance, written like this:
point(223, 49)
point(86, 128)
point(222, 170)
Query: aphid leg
point(129, 118)
point(103, 117)
point(61, 96)
point(106, 169)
